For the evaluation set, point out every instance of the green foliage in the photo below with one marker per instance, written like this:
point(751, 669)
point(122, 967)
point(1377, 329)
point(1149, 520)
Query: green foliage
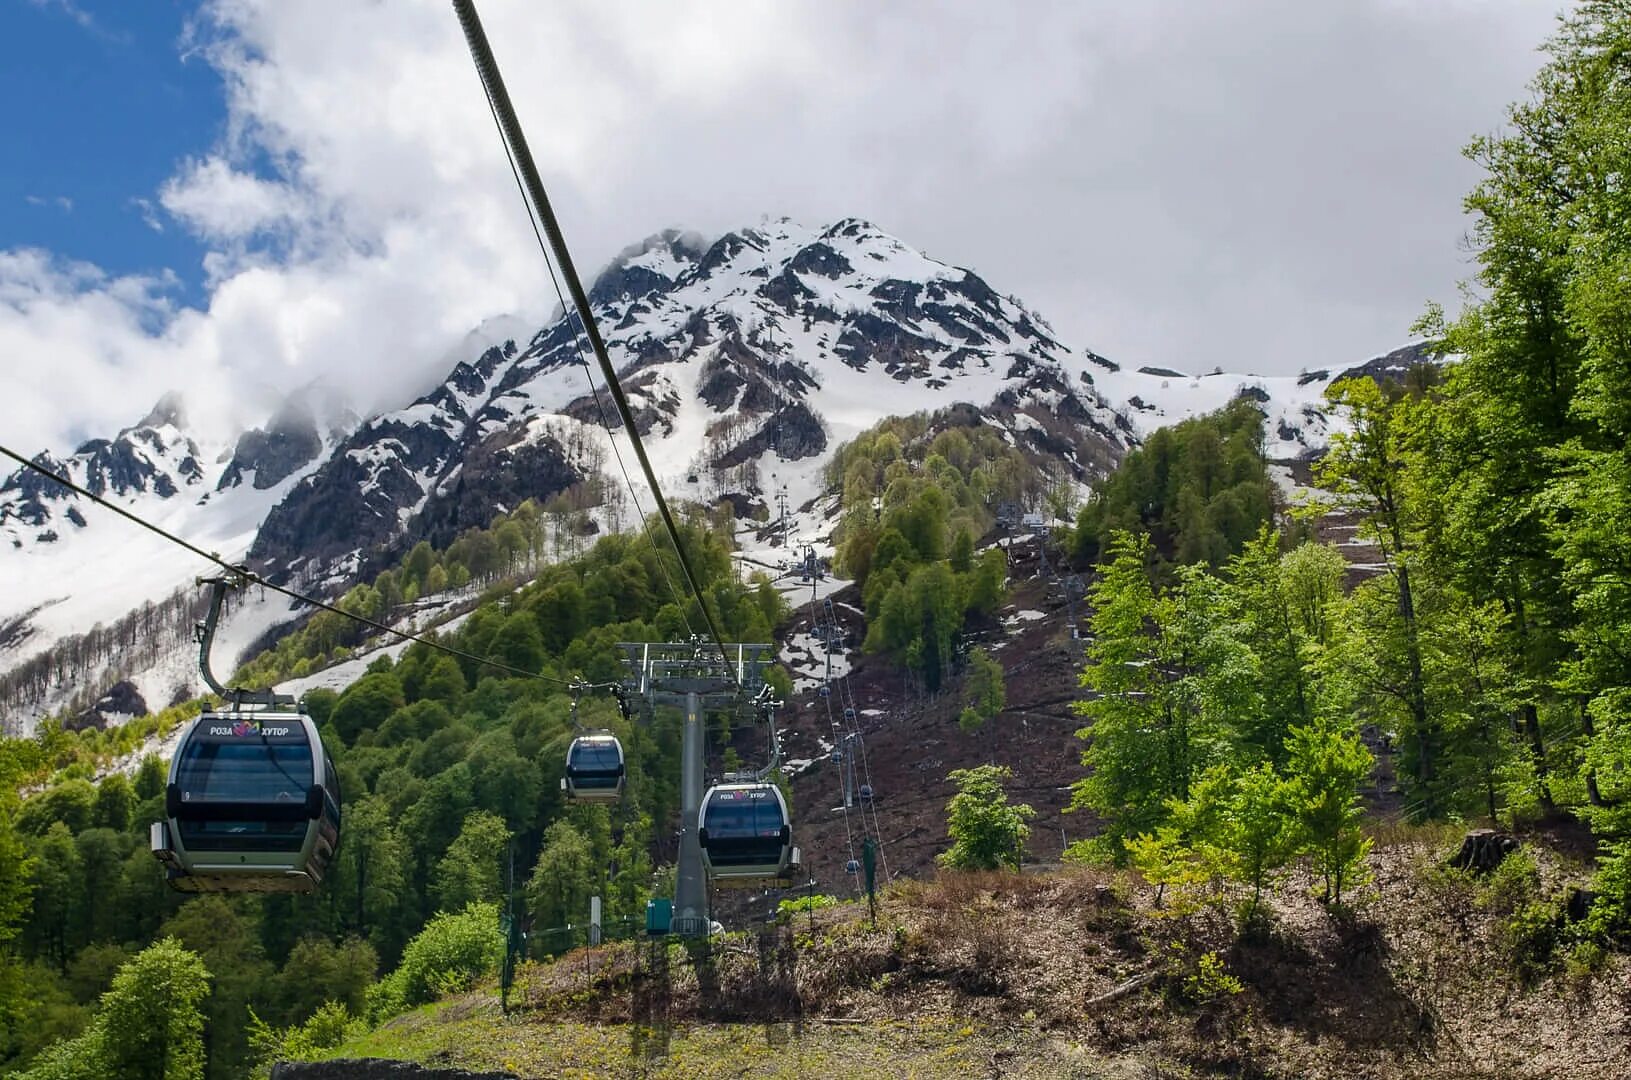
point(1327, 764)
point(1257, 830)
point(328, 1027)
point(1210, 981)
point(1199, 490)
point(912, 507)
point(983, 692)
point(469, 872)
point(986, 832)
point(1529, 937)
point(1609, 918)
point(449, 955)
point(148, 1027)
point(563, 879)
point(1172, 682)
point(786, 909)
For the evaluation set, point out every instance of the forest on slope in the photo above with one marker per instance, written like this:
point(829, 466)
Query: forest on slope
point(449, 771)
point(1230, 671)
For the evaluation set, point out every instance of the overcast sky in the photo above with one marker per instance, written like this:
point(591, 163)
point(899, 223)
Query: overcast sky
point(1264, 185)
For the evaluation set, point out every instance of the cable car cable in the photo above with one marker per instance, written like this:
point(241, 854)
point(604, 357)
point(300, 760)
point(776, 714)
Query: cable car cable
point(588, 374)
point(838, 744)
point(498, 97)
point(853, 715)
point(252, 578)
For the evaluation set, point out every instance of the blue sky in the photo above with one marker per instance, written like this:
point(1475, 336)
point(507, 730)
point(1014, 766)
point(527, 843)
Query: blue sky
point(102, 106)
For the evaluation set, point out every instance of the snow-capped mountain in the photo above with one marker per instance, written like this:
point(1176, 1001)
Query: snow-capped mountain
point(752, 356)
point(746, 360)
point(67, 566)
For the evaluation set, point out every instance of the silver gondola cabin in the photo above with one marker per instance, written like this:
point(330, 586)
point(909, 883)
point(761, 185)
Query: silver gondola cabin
point(746, 835)
point(594, 769)
point(253, 805)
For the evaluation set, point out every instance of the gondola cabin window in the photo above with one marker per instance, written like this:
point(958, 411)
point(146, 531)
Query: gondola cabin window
point(744, 813)
point(245, 763)
point(596, 756)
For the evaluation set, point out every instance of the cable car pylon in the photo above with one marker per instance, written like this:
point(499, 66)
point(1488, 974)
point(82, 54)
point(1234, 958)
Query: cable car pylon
point(698, 678)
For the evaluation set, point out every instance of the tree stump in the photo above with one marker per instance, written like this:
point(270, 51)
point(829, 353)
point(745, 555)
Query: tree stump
point(1578, 901)
point(1483, 849)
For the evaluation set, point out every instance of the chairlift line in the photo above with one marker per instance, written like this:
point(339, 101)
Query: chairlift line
point(851, 717)
point(595, 767)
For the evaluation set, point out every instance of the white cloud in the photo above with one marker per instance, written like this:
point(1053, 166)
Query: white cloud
point(1267, 185)
point(59, 202)
point(83, 18)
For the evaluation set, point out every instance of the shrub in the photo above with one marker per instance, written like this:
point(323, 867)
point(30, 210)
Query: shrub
point(1210, 981)
point(788, 908)
point(149, 1026)
point(1511, 885)
point(448, 955)
point(1528, 937)
point(325, 1029)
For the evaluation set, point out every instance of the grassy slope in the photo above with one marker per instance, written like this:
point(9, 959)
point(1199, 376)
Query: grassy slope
point(979, 975)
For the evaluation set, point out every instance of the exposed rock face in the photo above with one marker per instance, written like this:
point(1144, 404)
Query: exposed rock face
point(122, 700)
point(1393, 366)
point(452, 460)
point(274, 454)
point(499, 474)
point(155, 457)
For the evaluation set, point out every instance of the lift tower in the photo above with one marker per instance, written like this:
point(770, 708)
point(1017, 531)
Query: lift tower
point(696, 677)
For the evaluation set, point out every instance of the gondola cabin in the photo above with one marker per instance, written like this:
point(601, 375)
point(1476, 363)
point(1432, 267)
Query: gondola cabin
point(746, 835)
point(595, 770)
point(253, 805)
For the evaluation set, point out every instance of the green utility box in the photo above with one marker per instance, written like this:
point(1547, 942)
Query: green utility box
point(659, 915)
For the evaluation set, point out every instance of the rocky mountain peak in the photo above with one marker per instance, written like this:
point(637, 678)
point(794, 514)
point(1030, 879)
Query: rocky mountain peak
point(169, 411)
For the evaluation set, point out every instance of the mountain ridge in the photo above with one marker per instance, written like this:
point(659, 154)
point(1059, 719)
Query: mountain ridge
point(746, 360)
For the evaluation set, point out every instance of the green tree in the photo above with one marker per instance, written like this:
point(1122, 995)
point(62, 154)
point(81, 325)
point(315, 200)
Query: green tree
point(319, 970)
point(1327, 764)
point(115, 802)
point(448, 955)
point(983, 691)
point(227, 942)
point(1259, 830)
point(366, 703)
point(1171, 681)
point(371, 874)
point(962, 551)
point(470, 871)
point(149, 1026)
point(1365, 469)
point(987, 833)
point(54, 881)
point(518, 643)
point(563, 879)
point(1276, 633)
